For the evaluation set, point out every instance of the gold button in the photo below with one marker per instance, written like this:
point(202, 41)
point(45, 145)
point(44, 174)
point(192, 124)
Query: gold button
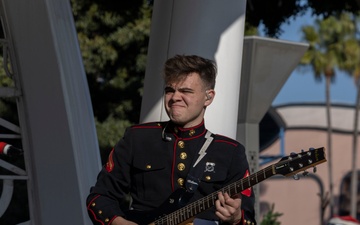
point(191, 132)
point(181, 166)
point(181, 144)
point(180, 181)
point(100, 212)
point(107, 220)
point(148, 166)
point(93, 204)
point(183, 155)
point(208, 178)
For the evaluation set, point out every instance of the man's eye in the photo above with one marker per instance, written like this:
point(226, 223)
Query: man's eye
point(168, 90)
point(186, 91)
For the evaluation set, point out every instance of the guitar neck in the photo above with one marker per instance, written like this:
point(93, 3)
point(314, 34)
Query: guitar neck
point(200, 205)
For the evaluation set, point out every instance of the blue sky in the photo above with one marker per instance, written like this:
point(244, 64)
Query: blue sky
point(301, 86)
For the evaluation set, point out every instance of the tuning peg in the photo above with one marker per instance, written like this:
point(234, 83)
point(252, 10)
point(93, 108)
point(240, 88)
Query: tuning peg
point(302, 150)
point(292, 155)
point(296, 177)
point(305, 173)
point(311, 149)
point(314, 169)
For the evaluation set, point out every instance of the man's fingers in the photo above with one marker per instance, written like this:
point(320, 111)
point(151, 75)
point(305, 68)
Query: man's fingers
point(227, 208)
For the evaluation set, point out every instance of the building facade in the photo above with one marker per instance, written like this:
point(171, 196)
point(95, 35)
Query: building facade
point(299, 127)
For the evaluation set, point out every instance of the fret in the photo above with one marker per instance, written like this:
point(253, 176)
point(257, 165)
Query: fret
point(234, 188)
point(169, 221)
point(201, 205)
point(181, 215)
point(188, 212)
point(194, 209)
point(264, 174)
point(208, 201)
point(173, 220)
point(252, 180)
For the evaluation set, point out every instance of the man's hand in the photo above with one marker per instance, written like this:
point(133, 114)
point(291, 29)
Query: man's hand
point(121, 221)
point(228, 209)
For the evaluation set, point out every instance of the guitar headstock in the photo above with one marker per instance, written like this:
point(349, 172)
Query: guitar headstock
point(297, 162)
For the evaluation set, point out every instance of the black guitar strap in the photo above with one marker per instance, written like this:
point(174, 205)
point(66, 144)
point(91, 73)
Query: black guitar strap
point(195, 173)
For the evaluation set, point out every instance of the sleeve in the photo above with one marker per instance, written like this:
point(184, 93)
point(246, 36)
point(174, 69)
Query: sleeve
point(108, 198)
point(240, 169)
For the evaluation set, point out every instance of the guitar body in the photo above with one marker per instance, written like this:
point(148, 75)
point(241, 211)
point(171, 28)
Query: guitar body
point(177, 199)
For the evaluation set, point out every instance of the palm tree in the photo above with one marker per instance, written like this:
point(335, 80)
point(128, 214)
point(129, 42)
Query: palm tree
point(322, 57)
point(333, 46)
point(350, 63)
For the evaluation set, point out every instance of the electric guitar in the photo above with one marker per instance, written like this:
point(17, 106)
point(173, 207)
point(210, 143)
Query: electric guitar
point(176, 209)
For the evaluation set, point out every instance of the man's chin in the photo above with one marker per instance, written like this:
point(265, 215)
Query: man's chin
point(177, 121)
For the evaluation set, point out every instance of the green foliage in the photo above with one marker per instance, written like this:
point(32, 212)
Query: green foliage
point(8, 109)
point(271, 217)
point(109, 133)
point(113, 38)
point(273, 13)
point(333, 45)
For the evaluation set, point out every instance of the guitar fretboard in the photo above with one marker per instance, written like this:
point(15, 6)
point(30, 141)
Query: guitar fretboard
point(200, 205)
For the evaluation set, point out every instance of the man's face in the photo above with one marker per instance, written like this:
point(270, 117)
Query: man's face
point(185, 100)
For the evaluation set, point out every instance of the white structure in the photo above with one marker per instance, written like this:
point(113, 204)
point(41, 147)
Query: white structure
point(57, 128)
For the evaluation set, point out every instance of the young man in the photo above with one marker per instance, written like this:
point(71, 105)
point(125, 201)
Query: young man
point(154, 160)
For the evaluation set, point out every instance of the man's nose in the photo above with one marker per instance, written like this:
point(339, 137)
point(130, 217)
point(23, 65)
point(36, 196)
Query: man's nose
point(176, 95)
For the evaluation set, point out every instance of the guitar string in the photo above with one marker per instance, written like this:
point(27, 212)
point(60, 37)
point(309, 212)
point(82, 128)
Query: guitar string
point(210, 199)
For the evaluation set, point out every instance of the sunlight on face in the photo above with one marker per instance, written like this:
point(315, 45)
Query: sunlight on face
point(185, 100)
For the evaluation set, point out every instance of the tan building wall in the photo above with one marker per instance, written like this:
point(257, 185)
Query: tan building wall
point(300, 200)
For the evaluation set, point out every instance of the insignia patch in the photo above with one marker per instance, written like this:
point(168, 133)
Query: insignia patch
point(210, 167)
point(247, 192)
point(110, 163)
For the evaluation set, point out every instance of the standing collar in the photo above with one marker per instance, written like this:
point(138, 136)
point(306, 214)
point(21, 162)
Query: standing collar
point(187, 133)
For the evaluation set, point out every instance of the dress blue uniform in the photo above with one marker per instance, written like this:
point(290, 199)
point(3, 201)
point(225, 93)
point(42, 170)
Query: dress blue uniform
point(153, 160)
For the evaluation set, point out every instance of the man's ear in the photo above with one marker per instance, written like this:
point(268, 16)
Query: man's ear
point(210, 94)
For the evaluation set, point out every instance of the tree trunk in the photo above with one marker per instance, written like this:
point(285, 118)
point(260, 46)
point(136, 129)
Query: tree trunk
point(329, 145)
point(354, 177)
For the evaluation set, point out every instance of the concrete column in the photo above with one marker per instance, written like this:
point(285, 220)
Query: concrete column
point(262, 77)
point(55, 111)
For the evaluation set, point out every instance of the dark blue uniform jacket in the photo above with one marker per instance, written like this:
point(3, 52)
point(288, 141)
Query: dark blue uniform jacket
point(153, 160)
